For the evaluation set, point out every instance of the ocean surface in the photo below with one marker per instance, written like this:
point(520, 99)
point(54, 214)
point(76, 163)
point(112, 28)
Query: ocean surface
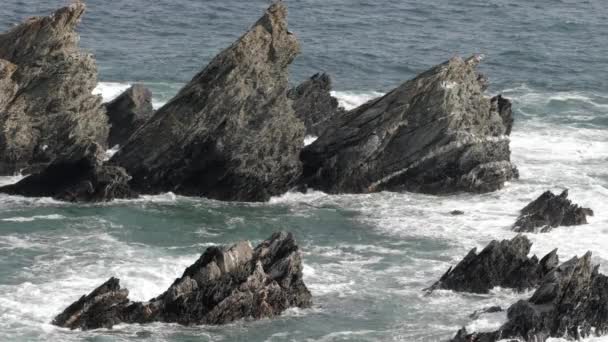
point(366, 257)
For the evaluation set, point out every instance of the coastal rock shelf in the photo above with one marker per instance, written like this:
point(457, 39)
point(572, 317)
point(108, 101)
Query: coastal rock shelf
point(225, 284)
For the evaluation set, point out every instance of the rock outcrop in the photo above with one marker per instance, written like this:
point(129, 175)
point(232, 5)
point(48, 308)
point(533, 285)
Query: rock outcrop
point(231, 132)
point(126, 113)
point(225, 284)
point(78, 175)
point(549, 211)
point(571, 302)
point(313, 103)
point(46, 84)
point(437, 133)
point(505, 264)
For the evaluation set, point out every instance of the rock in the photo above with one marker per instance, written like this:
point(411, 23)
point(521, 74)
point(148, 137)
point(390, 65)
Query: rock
point(437, 133)
point(129, 111)
point(225, 284)
point(505, 264)
point(571, 302)
point(456, 212)
point(46, 84)
point(550, 211)
point(314, 104)
point(231, 133)
point(479, 313)
point(78, 175)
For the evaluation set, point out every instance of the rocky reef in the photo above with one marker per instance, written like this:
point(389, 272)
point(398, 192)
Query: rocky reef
point(231, 132)
point(46, 81)
point(128, 112)
point(313, 103)
point(437, 133)
point(505, 264)
point(77, 175)
point(225, 284)
point(549, 211)
point(571, 302)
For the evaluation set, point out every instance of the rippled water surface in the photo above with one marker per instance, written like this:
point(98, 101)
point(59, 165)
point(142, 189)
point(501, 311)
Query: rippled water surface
point(366, 257)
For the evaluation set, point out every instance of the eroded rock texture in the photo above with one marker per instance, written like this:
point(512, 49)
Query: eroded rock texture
point(46, 105)
point(128, 112)
point(231, 133)
point(437, 133)
point(223, 285)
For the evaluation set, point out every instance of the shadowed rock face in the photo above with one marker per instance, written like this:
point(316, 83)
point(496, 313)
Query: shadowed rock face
point(78, 175)
point(571, 302)
point(505, 264)
point(231, 133)
point(437, 133)
point(313, 103)
point(549, 211)
point(129, 111)
point(223, 285)
point(46, 82)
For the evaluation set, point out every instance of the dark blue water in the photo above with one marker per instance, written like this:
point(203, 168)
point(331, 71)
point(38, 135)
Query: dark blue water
point(366, 257)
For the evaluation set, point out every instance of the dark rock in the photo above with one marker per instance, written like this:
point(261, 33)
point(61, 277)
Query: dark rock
point(479, 313)
point(505, 264)
point(456, 212)
point(129, 111)
point(79, 175)
point(231, 133)
point(46, 84)
point(223, 285)
point(437, 133)
point(314, 104)
point(571, 302)
point(503, 107)
point(550, 211)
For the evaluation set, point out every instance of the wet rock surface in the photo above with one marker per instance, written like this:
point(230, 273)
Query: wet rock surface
point(46, 84)
point(437, 133)
point(549, 211)
point(505, 264)
point(128, 112)
point(313, 103)
point(225, 284)
point(231, 132)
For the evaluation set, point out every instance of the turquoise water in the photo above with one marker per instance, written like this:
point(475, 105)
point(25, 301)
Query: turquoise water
point(366, 257)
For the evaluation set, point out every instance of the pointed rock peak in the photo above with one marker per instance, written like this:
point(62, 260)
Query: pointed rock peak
point(275, 17)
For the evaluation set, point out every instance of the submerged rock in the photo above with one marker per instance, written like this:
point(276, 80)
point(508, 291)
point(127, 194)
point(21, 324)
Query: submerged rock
point(488, 310)
point(437, 133)
point(571, 302)
point(505, 264)
point(313, 103)
point(46, 84)
point(225, 284)
point(231, 133)
point(129, 111)
point(549, 211)
point(79, 175)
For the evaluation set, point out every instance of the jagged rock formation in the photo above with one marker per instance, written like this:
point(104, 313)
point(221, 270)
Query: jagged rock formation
point(314, 104)
point(549, 211)
point(231, 133)
point(78, 175)
point(223, 285)
point(571, 302)
point(505, 264)
point(129, 111)
point(46, 82)
point(436, 133)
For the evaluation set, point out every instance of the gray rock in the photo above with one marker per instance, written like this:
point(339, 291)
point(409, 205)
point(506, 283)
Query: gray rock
point(46, 105)
point(128, 112)
point(505, 264)
point(225, 284)
point(478, 313)
point(549, 211)
point(314, 104)
point(437, 133)
point(231, 133)
point(571, 302)
point(78, 175)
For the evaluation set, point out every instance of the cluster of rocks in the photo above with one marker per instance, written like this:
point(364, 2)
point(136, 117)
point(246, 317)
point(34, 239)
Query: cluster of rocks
point(225, 284)
point(570, 300)
point(235, 132)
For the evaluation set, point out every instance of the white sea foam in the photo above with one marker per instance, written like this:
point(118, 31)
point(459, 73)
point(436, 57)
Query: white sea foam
point(34, 218)
point(110, 90)
point(352, 99)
